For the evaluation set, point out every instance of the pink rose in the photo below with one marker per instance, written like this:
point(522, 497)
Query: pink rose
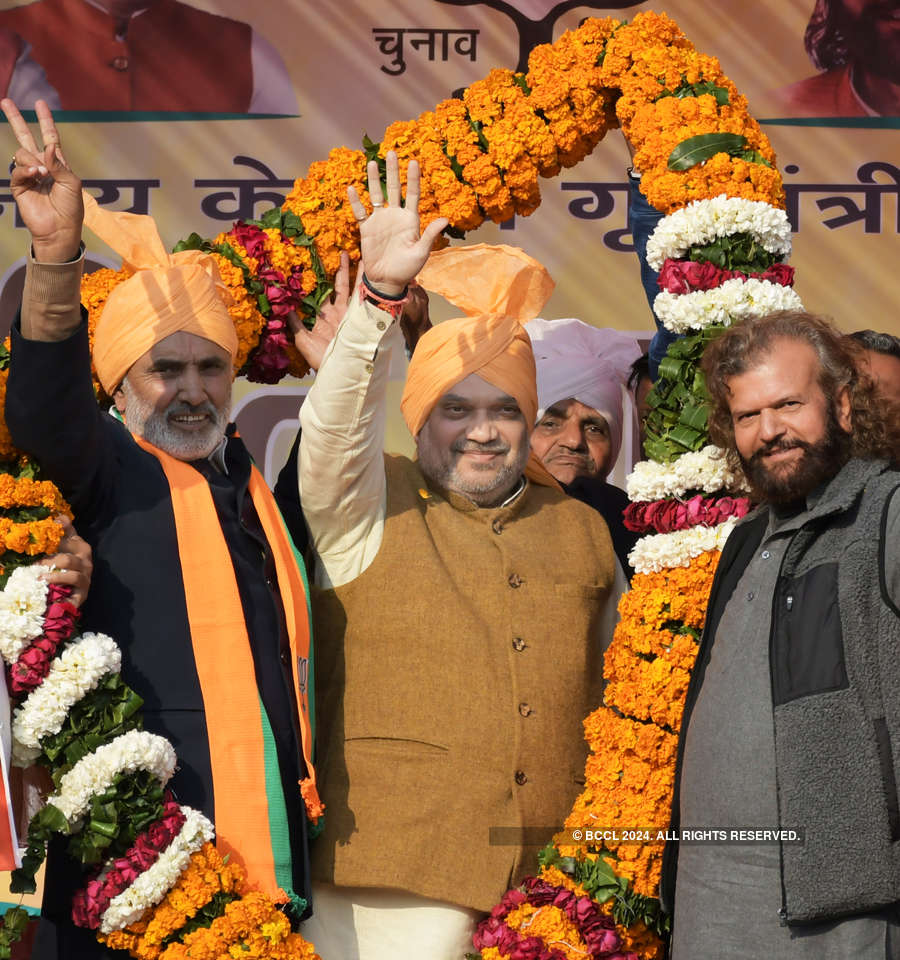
point(143, 854)
point(696, 510)
point(528, 948)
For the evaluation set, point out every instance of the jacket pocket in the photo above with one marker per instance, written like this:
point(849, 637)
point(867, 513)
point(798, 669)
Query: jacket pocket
point(808, 648)
point(888, 777)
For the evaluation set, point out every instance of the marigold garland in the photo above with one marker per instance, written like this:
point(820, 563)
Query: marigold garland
point(481, 156)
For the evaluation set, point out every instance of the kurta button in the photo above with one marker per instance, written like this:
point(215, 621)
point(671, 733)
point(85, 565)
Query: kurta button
point(525, 710)
point(381, 325)
point(519, 644)
point(120, 63)
point(766, 554)
point(521, 779)
point(369, 368)
point(514, 580)
point(497, 526)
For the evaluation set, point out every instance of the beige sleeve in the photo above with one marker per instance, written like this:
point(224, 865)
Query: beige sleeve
point(51, 298)
point(341, 463)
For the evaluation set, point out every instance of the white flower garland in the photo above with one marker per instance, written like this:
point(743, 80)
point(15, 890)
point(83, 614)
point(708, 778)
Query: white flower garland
point(75, 672)
point(702, 471)
point(702, 221)
point(157, 880)
point(23, 603)
point(733, 300)
point(662, 551)
point(135, 750)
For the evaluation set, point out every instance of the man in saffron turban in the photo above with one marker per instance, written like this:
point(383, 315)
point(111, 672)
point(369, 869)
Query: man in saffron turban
point(457, 604)
point(194, 577)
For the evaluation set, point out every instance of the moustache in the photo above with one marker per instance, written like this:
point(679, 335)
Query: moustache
point(777, 446)
point(471, 447)
point(187, 409)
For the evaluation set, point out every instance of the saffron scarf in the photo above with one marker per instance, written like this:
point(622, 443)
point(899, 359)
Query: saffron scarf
point(249, 808)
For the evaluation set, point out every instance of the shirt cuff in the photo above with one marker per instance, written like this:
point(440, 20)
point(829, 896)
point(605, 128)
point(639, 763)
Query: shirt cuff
point(56, 284)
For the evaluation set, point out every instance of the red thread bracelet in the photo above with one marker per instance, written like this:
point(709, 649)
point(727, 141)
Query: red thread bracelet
point(393, 306)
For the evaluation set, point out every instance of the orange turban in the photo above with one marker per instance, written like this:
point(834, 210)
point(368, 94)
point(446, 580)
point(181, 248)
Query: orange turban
point(500, 288)
point(168, 293)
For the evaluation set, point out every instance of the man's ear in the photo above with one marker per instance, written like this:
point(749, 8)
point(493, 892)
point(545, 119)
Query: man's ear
point(842, 408)
point(119, 399)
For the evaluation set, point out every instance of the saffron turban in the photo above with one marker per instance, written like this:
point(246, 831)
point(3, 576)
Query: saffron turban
point(166, 294)
point(585, 363)
point(499, 288)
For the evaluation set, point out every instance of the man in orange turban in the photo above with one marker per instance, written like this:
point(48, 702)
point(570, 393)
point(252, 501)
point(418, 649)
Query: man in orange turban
point(195, 577)
point(458, 601)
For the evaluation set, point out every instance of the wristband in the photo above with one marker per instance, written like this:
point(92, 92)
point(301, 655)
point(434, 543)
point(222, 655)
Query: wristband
point(392, 305)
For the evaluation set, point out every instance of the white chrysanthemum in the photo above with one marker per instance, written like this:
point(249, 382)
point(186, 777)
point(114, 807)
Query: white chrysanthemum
point(23, 603)
point(75, 672)
point(135, 750)
point(662, 551)
point(733, 300)
point(158, 879)
point(703, 221)
point(701, 471)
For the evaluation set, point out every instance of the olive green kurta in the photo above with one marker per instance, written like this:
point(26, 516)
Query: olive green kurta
point(453, 676)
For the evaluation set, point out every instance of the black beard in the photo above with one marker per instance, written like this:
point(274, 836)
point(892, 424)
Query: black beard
point(820, 462)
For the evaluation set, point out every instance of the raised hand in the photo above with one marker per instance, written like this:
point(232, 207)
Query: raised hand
point(46, 191)
point(312, 344)
point(392, 250)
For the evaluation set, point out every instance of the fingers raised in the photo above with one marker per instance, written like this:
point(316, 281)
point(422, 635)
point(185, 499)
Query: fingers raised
point(392, 165)
point(412, 185)
point(48, 127)
point(356, 205)
point(19, 126)
point(342, 279)
point(375, 191)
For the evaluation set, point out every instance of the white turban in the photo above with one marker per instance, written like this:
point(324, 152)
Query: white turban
point(586, 363)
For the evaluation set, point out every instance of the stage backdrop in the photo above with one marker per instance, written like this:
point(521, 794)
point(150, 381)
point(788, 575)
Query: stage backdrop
point(204, 112)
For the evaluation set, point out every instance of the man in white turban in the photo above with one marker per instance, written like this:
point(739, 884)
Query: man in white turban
point(581, 371)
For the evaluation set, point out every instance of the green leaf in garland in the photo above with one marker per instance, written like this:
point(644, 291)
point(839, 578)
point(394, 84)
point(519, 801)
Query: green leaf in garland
point(193, 242)
point(697, 149)
point(754, 156)
point(695, 415)
point(271, 219)
point(520, 81)
point(686, 89)
point(370, 148)
point(740, 251)
point(12, 929)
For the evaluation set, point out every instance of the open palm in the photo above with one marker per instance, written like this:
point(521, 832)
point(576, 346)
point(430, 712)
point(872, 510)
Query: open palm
point(392, 250)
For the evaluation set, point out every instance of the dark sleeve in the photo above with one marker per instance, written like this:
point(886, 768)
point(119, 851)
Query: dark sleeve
point(53, 416)
point(287, 496)
point(610, 502)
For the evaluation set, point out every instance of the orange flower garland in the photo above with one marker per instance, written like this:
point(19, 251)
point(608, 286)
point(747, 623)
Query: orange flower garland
point(629, 774)
point(206, 876)
point(481, 156)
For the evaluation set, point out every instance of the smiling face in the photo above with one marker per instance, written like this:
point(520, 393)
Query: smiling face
point(572, 440)
point(178, 395)
point(790, 437)
point(474, 442)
